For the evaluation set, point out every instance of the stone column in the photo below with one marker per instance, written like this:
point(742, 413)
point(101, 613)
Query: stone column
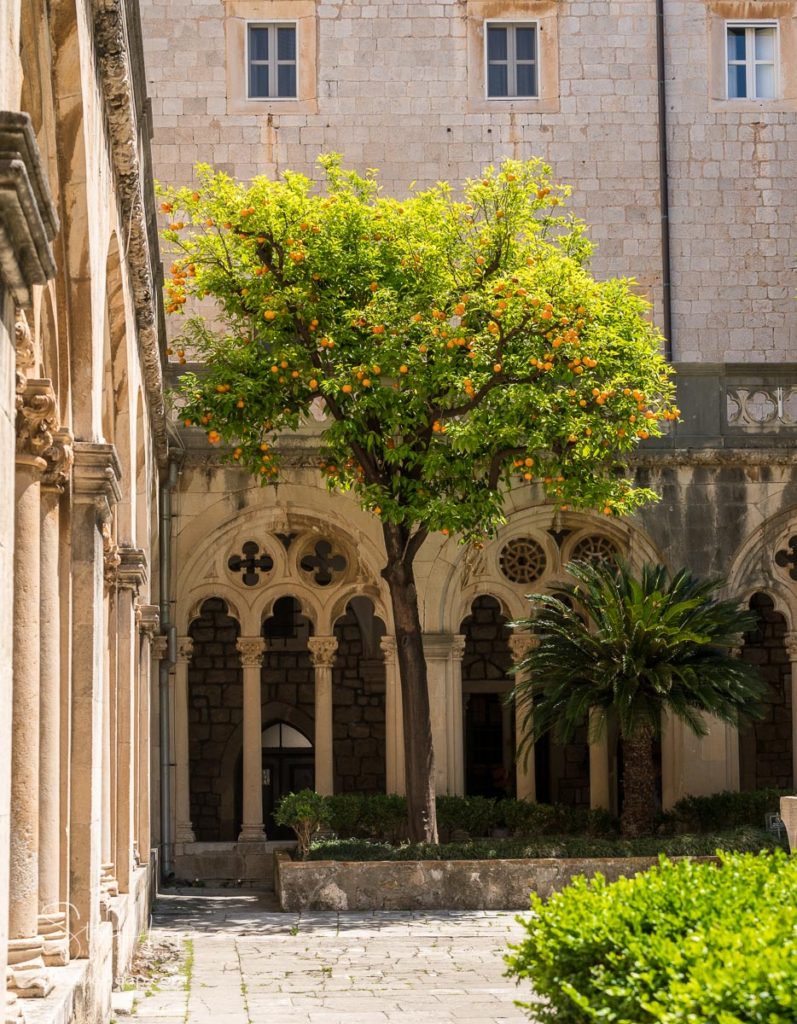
point(454, 714)
point(395, 780)
point(132, 576)
point(159, 650)
point(600, 796)
point(35, 420)
point(791, 649)
point(251, 650)
point(94, 493)
point(184, 832)
point(437, 650)
point(322, 654)
point(520, 644)
point(52, 912)
point(149, 624)
point(109, 882)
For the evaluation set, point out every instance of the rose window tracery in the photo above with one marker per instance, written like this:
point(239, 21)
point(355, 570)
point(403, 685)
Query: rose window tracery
point(323, 563)
point(522, 560)
point(595, 549)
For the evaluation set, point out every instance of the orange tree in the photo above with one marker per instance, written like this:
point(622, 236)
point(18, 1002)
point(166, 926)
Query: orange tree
point(458, 342)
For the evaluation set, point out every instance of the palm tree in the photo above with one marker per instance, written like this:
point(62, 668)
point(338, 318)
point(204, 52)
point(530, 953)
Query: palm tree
point(651, 645)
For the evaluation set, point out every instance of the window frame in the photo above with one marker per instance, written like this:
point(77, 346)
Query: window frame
point(273, 65)
point(750, 26)
point(511, 61)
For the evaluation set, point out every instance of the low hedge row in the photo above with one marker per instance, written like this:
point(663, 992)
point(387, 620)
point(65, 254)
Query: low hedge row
point(683, 942)
point(747, 839)
point(723, 810)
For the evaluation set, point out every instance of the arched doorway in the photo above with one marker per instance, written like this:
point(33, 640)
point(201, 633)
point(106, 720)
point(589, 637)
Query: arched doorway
point(765, 747)
point(288, 766)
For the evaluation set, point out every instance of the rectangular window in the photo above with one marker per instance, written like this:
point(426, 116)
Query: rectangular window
point(512, 61)
point(752, 61)
point(271, 60)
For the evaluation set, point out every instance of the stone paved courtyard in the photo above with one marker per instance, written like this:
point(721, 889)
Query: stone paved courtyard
point(243, 962)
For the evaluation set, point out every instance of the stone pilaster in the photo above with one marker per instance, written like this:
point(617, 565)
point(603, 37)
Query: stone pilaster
point(323, 650)
point(521, 644)
point(149, 624)
point(184, 832)
point(444, 672)
point(790, 641)
point(95, 491)
point(395, 778)
point(131, 578)
point(36, 420)
point(52, 903)
point(251, 650)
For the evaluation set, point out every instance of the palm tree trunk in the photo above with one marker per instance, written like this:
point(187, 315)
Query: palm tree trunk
point(639, 786)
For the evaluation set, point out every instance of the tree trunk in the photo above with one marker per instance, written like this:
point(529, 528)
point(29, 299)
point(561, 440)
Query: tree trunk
point(418, 749)
point(639, 786)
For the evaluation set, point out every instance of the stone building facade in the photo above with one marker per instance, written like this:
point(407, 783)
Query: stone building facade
point(687, 185)
point(81, 433)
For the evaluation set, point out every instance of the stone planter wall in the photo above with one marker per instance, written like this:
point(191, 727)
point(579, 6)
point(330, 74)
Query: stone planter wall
point(436, 885)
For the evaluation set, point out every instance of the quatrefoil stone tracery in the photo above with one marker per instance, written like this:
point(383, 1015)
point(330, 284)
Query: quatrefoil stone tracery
point(522, 560)
point(594, 549)
point(323, 563)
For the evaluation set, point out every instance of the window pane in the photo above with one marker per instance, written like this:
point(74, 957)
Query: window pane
point(525, 39)
point(293, 738)
point(258, 44)
point(497, 83)
point(496, 44)
point(736, 47)
point(526, 80)
point(286, 80)
point(765, 81)
point(258, 80)
point(286, 43)
point(737, 81)
point(765, 44)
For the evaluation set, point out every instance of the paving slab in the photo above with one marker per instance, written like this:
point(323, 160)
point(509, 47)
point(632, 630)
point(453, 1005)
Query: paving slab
point(248, 963)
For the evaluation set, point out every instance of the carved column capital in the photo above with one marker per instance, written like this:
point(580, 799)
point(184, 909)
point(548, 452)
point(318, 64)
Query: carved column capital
point(521, 644)
point(110, 553)
point(388, 645)
point(790, 642)
point(438, 646)
point(458, 647)
point(37, 418)
point(160, 647)
point(132, 572)
point(185, 649)
point(60, 457)
point(251, 649)
point(24, 348)
point(148, 618)
point(322, 650)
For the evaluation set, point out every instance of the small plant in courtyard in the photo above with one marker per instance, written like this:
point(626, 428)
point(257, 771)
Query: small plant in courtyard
point(681, 943)
point(650, 646)
point(306, 812)
point(456, 345)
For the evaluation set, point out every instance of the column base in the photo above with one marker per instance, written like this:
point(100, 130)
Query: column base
point(55, 940)
point(108, 880)
point(252, 834)
point(27, 975)
point(184, 834)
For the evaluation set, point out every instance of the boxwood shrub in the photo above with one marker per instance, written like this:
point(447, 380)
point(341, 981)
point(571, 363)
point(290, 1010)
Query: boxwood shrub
point(683, 943)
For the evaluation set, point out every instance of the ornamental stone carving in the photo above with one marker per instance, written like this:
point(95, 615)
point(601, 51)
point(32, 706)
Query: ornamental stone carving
point(251, 650)
point(388, 645)
point(185, 648)
point(148, 619)
point(790, 643)
point(60, 457)
point(110, 553)
point(37, 418)
point(766, 406)
point(25, 351)
point(132, 571)
point(521, 644)
point(322, 650)
point(160, 647)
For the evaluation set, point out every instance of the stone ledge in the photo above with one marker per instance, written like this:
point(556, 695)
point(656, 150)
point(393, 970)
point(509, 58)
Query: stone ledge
point(437, 885)
point(250, 864)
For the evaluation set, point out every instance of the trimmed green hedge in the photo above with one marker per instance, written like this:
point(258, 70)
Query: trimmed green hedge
point(683, 943)
point(563, 846)
point(723, 810)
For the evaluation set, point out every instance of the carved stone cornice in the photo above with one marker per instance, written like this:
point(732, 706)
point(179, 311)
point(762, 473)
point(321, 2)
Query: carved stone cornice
point(37, 418)
point(60, 457)
point(27, 216)
point(251, 649)
point(185, 649)
point(133, 570)
point(521, 644)
point(323, 650)
point(148, 619)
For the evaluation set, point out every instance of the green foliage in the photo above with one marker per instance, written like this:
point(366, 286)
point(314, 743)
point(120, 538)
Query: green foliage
point(724, 810)
point(476, 815)
point(460, 344)
point(651, 645)
point(683, 943)
point(529, 819)
point(305, 812)
point(553, 846)
point(379, 816)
